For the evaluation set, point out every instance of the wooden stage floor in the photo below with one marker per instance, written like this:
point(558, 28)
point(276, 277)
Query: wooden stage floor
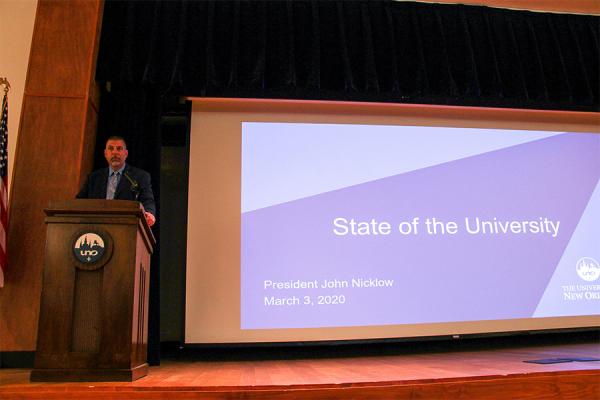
point(473, 374)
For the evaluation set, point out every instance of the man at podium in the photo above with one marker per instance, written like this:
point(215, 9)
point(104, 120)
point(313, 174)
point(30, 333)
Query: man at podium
point(120, 181)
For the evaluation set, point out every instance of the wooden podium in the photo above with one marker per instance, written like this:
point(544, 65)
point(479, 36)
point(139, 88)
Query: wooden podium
point(94, 304)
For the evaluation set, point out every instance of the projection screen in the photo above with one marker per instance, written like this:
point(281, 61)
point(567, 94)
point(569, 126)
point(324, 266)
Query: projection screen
point(318, 221)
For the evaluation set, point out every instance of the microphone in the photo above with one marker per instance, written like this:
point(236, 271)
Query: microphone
point(135, 187)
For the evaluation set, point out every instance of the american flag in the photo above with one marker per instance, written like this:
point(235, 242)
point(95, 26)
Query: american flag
point(3, 187)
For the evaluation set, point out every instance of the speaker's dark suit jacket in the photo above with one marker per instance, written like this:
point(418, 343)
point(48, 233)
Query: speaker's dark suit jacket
point(96, 182)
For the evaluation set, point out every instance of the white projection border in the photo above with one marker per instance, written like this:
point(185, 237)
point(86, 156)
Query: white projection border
point(213, 284)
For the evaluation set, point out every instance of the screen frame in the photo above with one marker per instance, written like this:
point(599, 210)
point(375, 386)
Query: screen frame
point(268, 110)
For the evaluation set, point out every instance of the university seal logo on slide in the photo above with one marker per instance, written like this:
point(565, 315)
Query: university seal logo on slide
point(89, 248)
point(588, 269)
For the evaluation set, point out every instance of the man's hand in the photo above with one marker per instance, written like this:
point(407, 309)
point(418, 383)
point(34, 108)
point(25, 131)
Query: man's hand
point(150, 219)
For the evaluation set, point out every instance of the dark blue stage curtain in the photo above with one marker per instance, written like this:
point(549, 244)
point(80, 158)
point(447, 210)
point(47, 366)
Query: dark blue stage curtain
point(152, 52)
point(354, 50)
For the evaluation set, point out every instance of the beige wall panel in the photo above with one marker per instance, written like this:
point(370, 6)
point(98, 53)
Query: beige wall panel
point(16, 30)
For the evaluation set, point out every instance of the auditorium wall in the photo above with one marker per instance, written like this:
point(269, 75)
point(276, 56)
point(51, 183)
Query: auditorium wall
point(16, 30)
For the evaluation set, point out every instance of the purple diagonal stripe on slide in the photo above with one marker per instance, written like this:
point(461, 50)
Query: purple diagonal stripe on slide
point(436, 278)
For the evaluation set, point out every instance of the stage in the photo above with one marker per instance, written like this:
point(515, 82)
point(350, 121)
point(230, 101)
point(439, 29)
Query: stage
point(497, 373)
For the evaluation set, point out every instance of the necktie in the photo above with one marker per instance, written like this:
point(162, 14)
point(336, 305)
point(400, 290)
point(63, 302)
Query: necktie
point(112, 186)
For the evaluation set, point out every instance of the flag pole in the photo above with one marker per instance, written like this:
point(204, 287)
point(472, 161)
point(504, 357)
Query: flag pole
point(3, 180)
point(4, 81)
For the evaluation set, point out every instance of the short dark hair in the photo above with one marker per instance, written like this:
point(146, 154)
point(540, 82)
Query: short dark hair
point(115, 137)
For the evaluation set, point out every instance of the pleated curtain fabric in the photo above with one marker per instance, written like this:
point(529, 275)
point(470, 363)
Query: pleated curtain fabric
point(383, 51)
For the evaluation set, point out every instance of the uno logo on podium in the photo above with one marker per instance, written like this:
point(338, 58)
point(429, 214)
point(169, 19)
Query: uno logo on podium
point(89, 247)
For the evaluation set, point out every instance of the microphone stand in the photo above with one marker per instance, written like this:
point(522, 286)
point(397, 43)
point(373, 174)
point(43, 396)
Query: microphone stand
point(135, 187)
